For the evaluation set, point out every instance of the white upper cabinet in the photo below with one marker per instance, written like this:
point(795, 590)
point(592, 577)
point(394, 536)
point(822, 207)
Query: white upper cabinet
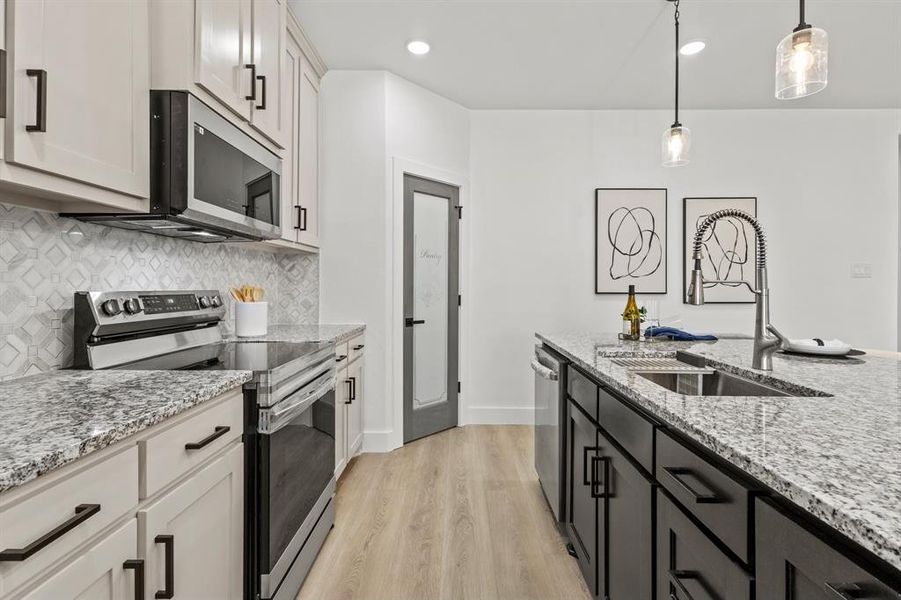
point(291, 104)
point(79, 77)
point(308, 187)
point(268, 48)
point(222, 58)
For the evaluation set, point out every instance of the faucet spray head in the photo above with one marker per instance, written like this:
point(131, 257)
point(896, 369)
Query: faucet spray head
point(696, 284)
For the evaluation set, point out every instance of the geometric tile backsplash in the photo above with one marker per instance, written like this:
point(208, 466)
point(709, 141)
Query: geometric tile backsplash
point(44, 259)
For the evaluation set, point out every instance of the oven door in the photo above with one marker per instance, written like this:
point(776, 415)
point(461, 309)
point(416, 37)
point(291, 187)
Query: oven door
point(297, 459)
point(232, 180)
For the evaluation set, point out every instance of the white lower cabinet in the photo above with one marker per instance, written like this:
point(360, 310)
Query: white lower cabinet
point(349, 404)
point(109, 570)
point(192, 536)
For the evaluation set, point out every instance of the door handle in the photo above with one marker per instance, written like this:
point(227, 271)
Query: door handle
point(585, 461)
point(218, 432)
point(40, 123)
point(168, 542)
point(350, 391)
point(700, 497)
point(845, 591)
point(340, 358)
point(253, 81)
point(410, 321)
point(262, 104)
point(353, 388)
point(596, 490)
point(83, 512)
point(303, 215)
point(137, 566)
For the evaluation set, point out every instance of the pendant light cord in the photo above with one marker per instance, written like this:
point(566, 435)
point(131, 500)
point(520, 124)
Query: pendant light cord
point(676, 18)
point(802, 24)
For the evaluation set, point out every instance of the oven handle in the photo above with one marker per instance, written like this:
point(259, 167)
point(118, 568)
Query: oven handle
point(272, 420)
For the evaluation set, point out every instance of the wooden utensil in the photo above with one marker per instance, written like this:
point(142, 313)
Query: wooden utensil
point(257, 294)
point(236, 295)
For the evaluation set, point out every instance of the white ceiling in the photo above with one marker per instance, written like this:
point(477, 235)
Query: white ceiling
point(609, 53)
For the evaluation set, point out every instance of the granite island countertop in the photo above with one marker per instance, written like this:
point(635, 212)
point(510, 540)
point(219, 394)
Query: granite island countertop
point(303, 333)
point(51, 419)
point(838, 457)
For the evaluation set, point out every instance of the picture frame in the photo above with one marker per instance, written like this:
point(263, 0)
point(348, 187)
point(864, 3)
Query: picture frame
point(630, 240)
point(730, 248)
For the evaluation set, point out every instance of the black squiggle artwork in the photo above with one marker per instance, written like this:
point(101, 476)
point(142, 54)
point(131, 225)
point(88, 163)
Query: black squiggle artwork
point(726, 250)
point(636, 248)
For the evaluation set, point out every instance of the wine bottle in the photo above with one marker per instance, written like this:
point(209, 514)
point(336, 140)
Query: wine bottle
point(631, 318)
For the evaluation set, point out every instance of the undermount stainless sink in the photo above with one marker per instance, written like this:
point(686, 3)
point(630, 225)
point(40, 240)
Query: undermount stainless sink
point(691, 375)
point(715, 383)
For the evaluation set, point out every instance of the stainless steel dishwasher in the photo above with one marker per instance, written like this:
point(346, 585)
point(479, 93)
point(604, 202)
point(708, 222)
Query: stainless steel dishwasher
point(550, 432)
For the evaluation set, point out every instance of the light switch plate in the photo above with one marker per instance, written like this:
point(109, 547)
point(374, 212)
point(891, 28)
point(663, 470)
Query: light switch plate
point(861, 270)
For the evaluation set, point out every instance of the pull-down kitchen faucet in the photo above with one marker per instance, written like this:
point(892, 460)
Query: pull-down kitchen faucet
point(765, 345)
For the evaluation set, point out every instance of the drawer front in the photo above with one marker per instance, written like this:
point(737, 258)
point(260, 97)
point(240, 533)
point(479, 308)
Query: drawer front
point(628, 428)
point(355, 348)
point(689, 565)
point(171, 453)
point(66, 508)
point(583, 391)
point(794, 564)
point(341, 354)
point(716, 499)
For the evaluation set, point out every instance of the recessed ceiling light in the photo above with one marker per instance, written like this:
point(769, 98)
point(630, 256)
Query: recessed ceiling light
point(418, 47)
point(692, 47)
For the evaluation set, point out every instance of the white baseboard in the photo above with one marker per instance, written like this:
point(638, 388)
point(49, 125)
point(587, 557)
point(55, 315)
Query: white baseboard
point(500, 415)
point(378, 441)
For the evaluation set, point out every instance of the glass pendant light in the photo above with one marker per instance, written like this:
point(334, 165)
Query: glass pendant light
point(677, 138)
point(802, 61)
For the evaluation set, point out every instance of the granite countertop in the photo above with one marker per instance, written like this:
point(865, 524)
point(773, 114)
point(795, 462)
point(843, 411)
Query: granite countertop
point(51, 419)
point(838, 457)
point(303, 333)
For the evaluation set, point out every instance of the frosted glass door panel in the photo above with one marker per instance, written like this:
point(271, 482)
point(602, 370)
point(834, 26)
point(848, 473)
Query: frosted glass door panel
point(430, 244)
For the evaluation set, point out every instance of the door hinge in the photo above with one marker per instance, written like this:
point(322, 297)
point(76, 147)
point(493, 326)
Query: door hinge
point(459, 212)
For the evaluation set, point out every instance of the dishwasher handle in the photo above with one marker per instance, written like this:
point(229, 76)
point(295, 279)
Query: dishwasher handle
point(544, 372)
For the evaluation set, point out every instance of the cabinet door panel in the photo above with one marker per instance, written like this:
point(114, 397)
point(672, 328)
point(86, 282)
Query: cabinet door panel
point(98, 574)
point(269, 31)
point(355, 409)
point(309, 154)
point(223, 44)
point(630, 531)
point(290, 159)
point(92, 60)
point(794, 564)
point(585, 525)
point(205, 517)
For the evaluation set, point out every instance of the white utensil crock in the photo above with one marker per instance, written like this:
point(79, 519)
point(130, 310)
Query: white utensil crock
point(251, 318)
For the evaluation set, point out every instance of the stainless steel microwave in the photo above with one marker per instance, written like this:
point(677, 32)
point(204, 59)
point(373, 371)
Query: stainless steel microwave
point(209, 181)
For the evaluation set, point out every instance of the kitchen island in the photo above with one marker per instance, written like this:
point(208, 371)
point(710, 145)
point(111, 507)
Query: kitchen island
point(830, 451)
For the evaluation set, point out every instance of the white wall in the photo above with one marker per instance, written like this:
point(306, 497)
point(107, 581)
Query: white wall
point(827, 187)
point(371, 120)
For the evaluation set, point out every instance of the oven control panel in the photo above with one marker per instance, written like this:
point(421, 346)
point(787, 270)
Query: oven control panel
point(169, 303)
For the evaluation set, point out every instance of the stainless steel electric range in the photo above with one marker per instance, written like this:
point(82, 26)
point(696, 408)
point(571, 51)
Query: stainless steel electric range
point(289, 409)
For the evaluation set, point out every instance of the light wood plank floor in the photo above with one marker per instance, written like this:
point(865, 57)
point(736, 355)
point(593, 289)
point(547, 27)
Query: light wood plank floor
point(453, 516)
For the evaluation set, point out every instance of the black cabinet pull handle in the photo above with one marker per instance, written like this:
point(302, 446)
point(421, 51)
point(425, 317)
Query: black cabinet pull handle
point(137, 566)
point(585, 461)
point(299, 216)
point(218, 432)
point(40, 123)
point(340, 358)
point(83, 512)
point(303, 213)
point(168, 542)
point(596, 490)
point(350, 391)
point(845, 591)
point(253, 82)
point(262, 104)
point(700, 498)
point(353, 388)
point(676, 576)
point(410, 321)
point(359, 346)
